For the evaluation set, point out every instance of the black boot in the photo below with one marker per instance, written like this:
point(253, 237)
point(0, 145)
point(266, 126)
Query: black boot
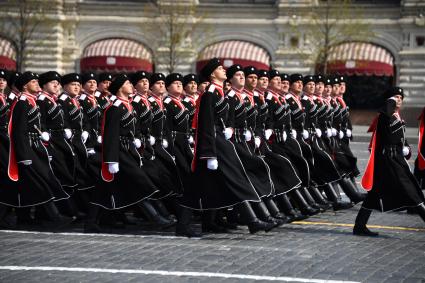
point(333, 197)
point(152, 214)
point(263, 214)
point(310, 200)
point(302, 203)
point(421, 211)
point(317, 195)
point(57, 220)
point(162, 209)
point(254, 224)
point(274, 210)
point(360, 228)
point(351, 192)
point(287, 208)
point(90, 223)
point(209, 223)
point(183, 227)
point(223, 221)
point(23, 216)
point(3, 213)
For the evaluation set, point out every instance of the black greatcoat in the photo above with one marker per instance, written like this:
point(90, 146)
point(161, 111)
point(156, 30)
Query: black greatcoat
point(131, 184)
point(74, 120)
point(63, 156)
point(394, 186)
point(34, 184)
point(229, 184)
point(242, 118)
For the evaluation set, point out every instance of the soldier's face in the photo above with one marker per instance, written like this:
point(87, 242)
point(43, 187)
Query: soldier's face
point(226, 86)
point(251, 81)
point(127, 88)
point(103, 86)
point(276, 83)
point(32, 87)
point(219, 74)
point(90, 86)
point(203, 86)
point(327, 91)
point(263, 82)
point(297, 87)
point(285, 86)
point(238, 80)
point(309, 87)
point(73, 88)
point(335, 89)
point(158, 88)
point(342, 88)
point(191, 88)
point(319, 88)
point(142, 85)
point(52, 87)
point(175, 88)
point(398, 100)
point(3, 84)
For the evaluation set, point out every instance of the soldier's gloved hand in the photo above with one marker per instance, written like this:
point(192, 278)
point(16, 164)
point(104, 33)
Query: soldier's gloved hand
point(247, 134)
point(284, 136)
point(329, 132)
point(164, 143)
point(67, 133)
point(90, 151)
point(26, 162)
point(99, 139)
point(190, 140)
point(228, 132)
point(84, 136)
point(45, 136)
point(334, 132)
point(294, 133)
point(348, 133)
point(137, 143)
point(151, 140)
point(341, 135)
point(268, 133)
point(212, 164)
point(305, 134)
point(318, 132)
point(113, 167)
point(257, 142)
point(406, 151)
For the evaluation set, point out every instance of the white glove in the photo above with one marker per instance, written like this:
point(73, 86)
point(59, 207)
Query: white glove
point(190, 140)
point(318, 132)
point(26, 162)
point(257, 142)
point(113, 167)
point(333, 132)
point(137, 143)
point(90, 152)
point(67, 133)
point(406, 150)
point(228, 132)
point(268, 133)
point(248, 136)
point(348, 133)
point(341, 135)
point(151, 140)
point(84, 136)
point(294, 133)
point(284, 136)
point(45, 136)
point(164, 143)
point(99, 139)
point(305, 134)
point(212, 164)
point(328, 132)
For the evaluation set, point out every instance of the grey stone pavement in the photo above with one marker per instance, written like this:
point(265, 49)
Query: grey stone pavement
point(321, 248)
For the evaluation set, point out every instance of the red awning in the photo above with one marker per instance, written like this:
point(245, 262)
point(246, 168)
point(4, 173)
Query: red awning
point(235, 52)
point(116, 55)
point(7, 55)
point(359, 58)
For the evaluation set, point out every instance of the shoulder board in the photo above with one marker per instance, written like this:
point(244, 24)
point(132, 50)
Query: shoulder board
point(12, 96)
point(211, 88)
point(186, 99)
point(314, 97)
point(41, 97)
point(63, 97)
point(82, 97)
point(305, 97)
point(97, 93)
point(288, 96)
point(167, 100)
point(137, 99)
point(256, 93)
point(117, 102)
point(23, 97)
point(231, 93)
point(269, 96)
point(243, 95)
point(113, 98)
point(151, 99)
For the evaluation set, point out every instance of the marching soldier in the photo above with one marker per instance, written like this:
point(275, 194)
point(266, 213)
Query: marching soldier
point(190, 86)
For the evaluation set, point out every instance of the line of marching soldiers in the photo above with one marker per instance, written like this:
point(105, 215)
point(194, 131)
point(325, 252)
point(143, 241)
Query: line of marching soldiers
point(243, 146)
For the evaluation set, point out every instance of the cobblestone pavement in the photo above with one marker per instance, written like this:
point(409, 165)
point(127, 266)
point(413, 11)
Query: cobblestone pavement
point(319, 249)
